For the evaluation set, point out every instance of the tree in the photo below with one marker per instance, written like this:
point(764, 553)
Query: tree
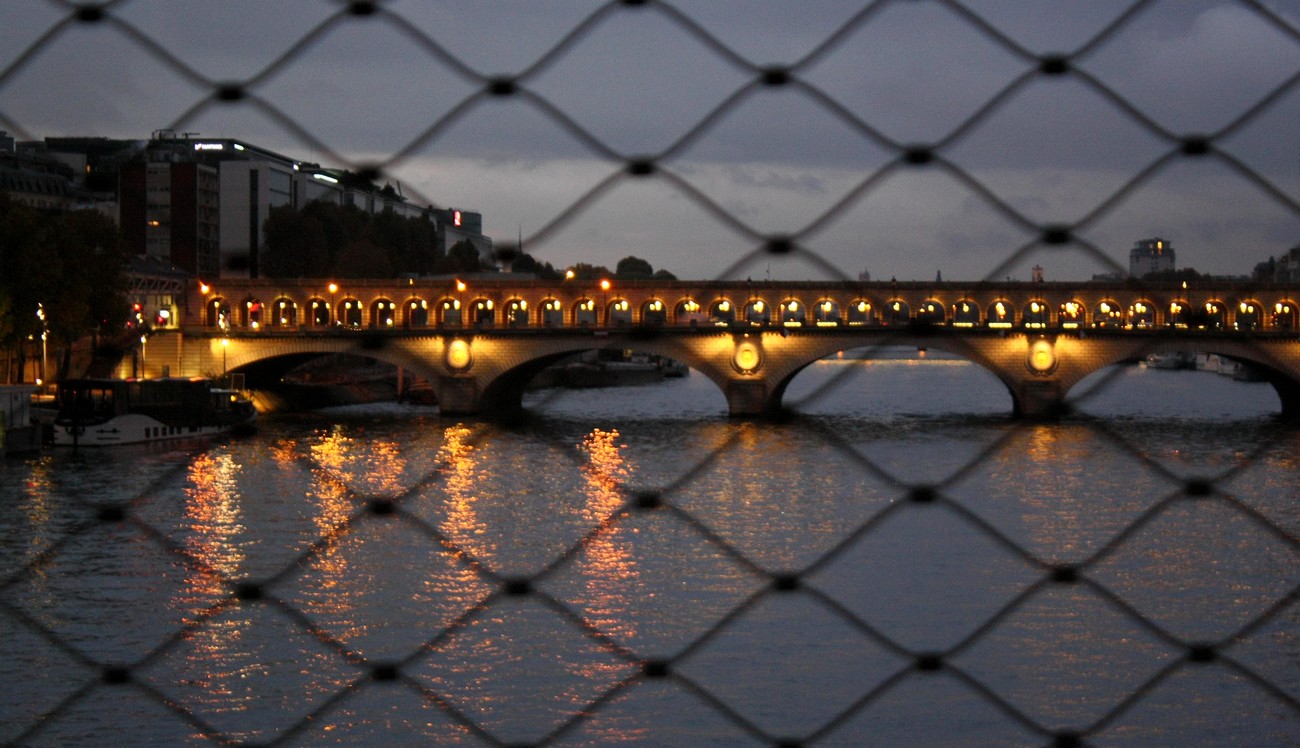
point(586, 271)
point(633, 268)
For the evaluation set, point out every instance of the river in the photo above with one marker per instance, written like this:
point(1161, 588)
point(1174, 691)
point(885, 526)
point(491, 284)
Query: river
point(901, 564)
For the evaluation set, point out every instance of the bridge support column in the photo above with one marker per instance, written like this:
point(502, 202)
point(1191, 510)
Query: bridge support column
point(1038, 399)
point(747, 397)
point(457, 396)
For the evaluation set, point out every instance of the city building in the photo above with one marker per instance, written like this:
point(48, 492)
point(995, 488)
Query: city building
point(1150, 256)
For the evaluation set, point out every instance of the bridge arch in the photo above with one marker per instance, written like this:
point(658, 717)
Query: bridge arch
point(552, 313)
point(284, 312)
point(1141, 314)
point(350, 312)
point(1283, 375)
point(792, 313)
point(217, 313)
point(966, 313)
point(416, 313)
point(688, 312)
point(450, 313)
point(383, 314)
point(1071, 315)
point(1001, 314)
point(618, 313)
point(757, 312)
point(1036, 315)
point(859, 313)
point(826, 313)
point(1250, 315)
point(654, 313)
point(1108, 314)
point(931, 312)
point(896, 312)
point(584, 313)
point(1284, 315)
point(722, 312)
point(516, 312)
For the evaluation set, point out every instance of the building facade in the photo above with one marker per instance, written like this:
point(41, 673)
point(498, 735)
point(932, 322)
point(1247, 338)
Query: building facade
point(1150, 256)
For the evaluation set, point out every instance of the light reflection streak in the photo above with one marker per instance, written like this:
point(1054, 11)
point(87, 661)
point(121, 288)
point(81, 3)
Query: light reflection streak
point(214, 528)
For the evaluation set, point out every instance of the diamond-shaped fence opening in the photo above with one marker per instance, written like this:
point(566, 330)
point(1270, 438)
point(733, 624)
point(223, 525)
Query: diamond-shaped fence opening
point(924, 572)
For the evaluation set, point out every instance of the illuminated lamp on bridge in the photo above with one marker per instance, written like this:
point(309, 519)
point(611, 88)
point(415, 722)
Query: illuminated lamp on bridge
point(722, 313)
point(897, 312)
point(451, 313)
point(253, 313)
point(747, 357)
point(654, 313)
point(351, 313)
point(584, 313)
point(1000, 315)
point(860, 313)
point(1248, 316)
point(286, 312)
point(756, 312)
point(688, 312)
point(1215, 314)
point(383, 313)
point(320, 313)
point(417, 313)
point(965, 313)
point(516, 313)
point(1035, 315)
point(930, 313)
point(552, 313)
point(1071, 315)
point(826, 313)
point(1177, 314)
point(458, 356)
point(619, 313)
point(1108, 314)
point(1141, 315)
point(484, 313)
point(791, 313)
point(1284, 315)
point(1042, 357)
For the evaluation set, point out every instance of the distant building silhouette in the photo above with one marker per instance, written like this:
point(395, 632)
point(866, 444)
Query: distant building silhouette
point(1150, 256)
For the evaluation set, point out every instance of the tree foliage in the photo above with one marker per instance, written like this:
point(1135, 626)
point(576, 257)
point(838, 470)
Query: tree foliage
point(324, 240)
point(68, 265)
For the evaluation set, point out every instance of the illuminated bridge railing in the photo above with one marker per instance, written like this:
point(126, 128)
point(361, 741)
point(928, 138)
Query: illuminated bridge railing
point(270, 305)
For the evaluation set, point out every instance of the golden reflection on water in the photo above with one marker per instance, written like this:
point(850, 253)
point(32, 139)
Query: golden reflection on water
point(461, 524)
point(608, 562)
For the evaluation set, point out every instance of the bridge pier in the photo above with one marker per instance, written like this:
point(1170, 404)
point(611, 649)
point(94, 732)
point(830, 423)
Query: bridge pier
point(457, 396)
point(1037, 399)
point(747, 398)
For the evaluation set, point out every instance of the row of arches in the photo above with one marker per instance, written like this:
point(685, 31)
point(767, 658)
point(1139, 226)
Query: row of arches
point(415, 312)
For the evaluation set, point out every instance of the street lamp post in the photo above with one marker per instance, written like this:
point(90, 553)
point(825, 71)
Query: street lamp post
point(40, 314)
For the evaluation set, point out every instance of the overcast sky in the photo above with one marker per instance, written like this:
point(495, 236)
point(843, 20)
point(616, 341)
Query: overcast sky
point(637, 80)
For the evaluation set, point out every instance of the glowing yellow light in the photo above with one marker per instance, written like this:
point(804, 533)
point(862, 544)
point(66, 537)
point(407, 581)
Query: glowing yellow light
point(604, 285)
point(724, 306)
point(204, 288)
point(863, 306)
point(568, 275)
point(458, 355)
point(758, 306)
point(460, 286)
point(1042, 358)
point(746, 357)
point(896, 306)
point(793, 306)
point(1105, 308)
point(334, 288)
point(1034, 307)
point(1000, 308)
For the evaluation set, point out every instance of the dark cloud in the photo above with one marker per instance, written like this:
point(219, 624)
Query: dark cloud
point(780, 160)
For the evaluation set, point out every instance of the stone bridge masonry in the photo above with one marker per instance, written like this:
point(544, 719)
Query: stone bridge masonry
point(478, 342)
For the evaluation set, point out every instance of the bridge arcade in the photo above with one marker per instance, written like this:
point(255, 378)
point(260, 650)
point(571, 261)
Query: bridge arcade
point(478, 342)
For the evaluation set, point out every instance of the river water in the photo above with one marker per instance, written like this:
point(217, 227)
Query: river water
point(876, 571)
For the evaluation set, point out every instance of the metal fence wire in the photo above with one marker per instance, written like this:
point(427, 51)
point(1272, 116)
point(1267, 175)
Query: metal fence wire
point(105, 518)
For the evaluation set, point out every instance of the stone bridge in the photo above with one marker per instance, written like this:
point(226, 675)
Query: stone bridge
point(478, 342)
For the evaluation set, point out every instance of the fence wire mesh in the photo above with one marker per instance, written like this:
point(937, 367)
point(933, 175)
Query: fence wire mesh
point(280, 598)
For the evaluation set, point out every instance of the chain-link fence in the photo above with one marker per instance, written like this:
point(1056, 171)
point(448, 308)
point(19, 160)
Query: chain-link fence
point(127, 524)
